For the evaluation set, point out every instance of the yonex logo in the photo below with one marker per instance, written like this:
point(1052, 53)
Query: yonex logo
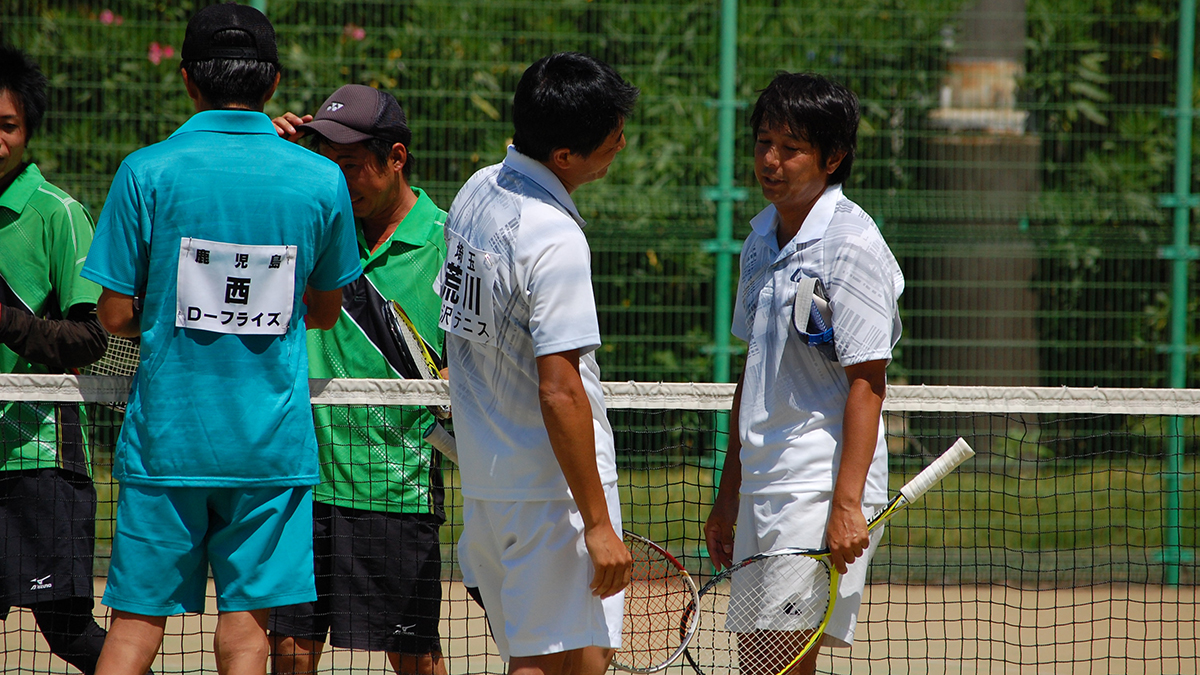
point(40, 584)
point(334, 107)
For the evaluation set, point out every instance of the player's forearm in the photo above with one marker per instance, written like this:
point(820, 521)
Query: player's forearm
point(860, 431)
point(567, 414)
point(324, 308)
point(59, 344)
point(573, 438)
point(117, 316)
point(731, 470)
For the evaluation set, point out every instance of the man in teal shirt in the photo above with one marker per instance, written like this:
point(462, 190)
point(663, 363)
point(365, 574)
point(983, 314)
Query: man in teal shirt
point(379, 506)
point(47, 325)
point(218, 246)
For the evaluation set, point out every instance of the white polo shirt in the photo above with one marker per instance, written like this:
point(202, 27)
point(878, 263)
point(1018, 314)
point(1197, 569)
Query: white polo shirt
point(793, 397)
point(516, 285)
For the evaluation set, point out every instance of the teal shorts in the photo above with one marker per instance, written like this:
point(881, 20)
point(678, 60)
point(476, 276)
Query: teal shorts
point(258, 542)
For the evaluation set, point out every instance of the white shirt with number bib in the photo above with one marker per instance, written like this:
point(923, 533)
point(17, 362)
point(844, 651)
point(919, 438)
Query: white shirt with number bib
point(516, 286)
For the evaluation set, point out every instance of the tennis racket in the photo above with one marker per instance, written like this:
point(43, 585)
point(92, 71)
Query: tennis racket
point(120, 358)
point(419, 361)
point(660, 609)
point(766, 612)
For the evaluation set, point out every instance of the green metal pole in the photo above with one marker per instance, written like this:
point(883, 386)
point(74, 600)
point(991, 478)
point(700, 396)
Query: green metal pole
point(725, 194)
point(723, 246)
point(1183, 255)
point(260, 5)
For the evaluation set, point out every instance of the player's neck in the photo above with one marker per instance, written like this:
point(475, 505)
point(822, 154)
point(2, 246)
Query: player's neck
point(792, 215)
point(790, 222)
point(378, 228)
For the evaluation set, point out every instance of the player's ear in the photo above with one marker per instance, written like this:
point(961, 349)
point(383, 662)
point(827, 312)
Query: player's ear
point(561, 158)
point(271, 91)
point(834, 161)
point(398, 157)
point(192, 91)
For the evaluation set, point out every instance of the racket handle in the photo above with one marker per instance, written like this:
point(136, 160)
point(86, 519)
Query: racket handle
point(438, 437)
point(957, 454)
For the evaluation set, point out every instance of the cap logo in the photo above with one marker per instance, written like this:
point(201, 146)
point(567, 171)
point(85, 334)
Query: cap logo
point(334, 107)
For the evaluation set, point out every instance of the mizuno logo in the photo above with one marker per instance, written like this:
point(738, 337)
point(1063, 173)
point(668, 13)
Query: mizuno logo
point(39, 584)
point(334, 107)
point(404, 630)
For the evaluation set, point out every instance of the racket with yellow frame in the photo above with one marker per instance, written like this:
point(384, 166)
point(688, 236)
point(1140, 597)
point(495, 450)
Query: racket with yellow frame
point(765, 613)
point(419, 361)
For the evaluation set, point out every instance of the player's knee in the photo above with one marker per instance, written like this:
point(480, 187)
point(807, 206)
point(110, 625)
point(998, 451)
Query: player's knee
point(418, 664)
point(71, 632)
point(588, 661)
point(293, 656)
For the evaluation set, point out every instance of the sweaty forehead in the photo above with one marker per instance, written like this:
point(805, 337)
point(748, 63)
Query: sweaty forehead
point(10, 106)
point(781, 127)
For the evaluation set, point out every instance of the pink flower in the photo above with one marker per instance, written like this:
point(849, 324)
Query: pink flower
point(354, 32)
point(109, 19)
point(159, 52)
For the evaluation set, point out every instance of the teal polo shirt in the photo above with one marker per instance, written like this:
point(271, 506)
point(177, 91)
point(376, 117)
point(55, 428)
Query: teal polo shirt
point(211, 409)
point(374, 458)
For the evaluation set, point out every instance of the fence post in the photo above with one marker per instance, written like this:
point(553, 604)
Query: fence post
point(1181, 254)
point(723, 246)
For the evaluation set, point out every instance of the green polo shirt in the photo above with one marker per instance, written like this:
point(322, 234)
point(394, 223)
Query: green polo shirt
point(373, 458)
point(44, 239)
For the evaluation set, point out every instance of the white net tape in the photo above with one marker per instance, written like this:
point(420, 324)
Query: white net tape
point(663, 395)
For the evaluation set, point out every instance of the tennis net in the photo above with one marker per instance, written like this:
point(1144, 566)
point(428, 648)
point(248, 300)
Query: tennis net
point(1064, 546)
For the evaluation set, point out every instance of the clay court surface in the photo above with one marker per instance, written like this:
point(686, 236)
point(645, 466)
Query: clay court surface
point(905, 630)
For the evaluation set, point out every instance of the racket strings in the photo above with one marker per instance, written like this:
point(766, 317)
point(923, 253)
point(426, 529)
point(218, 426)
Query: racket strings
point(762, 619)
point(658, 606)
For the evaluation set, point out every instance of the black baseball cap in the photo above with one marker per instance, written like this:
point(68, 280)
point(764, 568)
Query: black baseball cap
point(356, 112)
point(197, 41)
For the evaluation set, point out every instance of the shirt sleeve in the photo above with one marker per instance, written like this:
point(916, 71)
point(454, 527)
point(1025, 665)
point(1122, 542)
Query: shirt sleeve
point(336, 262)
point(72, 229)
point(557, 273)
point(862, 296)
point(119, 257)
point(741, 318)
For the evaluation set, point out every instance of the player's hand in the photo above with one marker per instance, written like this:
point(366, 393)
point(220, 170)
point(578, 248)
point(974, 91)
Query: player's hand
point(612, 561)
point(847, 536)
point(718, 532)
point(286, 124)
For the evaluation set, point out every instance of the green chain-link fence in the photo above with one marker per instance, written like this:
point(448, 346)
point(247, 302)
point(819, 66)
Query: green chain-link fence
point(1013, 152)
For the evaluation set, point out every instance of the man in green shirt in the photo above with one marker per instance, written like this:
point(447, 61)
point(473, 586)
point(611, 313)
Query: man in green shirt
point(47, 325)
point(379, 506)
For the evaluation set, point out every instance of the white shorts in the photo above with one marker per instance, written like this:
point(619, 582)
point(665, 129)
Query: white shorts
point(531, 566)
point(771, 521)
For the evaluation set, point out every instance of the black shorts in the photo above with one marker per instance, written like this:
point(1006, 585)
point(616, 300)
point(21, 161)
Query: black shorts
point(379, 583)
point(47, 536)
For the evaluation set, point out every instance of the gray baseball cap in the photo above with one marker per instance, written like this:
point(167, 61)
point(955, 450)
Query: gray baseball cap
point(356, 112)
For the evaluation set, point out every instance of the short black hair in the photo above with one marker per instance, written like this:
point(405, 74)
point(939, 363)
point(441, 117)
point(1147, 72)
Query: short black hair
point(815, 109)
point(380, 149)
point(232, 82)
point(25, 81)
point(569, 100)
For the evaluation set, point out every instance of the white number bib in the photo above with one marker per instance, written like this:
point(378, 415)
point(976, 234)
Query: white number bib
point(235, 289)
point(465, 284)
